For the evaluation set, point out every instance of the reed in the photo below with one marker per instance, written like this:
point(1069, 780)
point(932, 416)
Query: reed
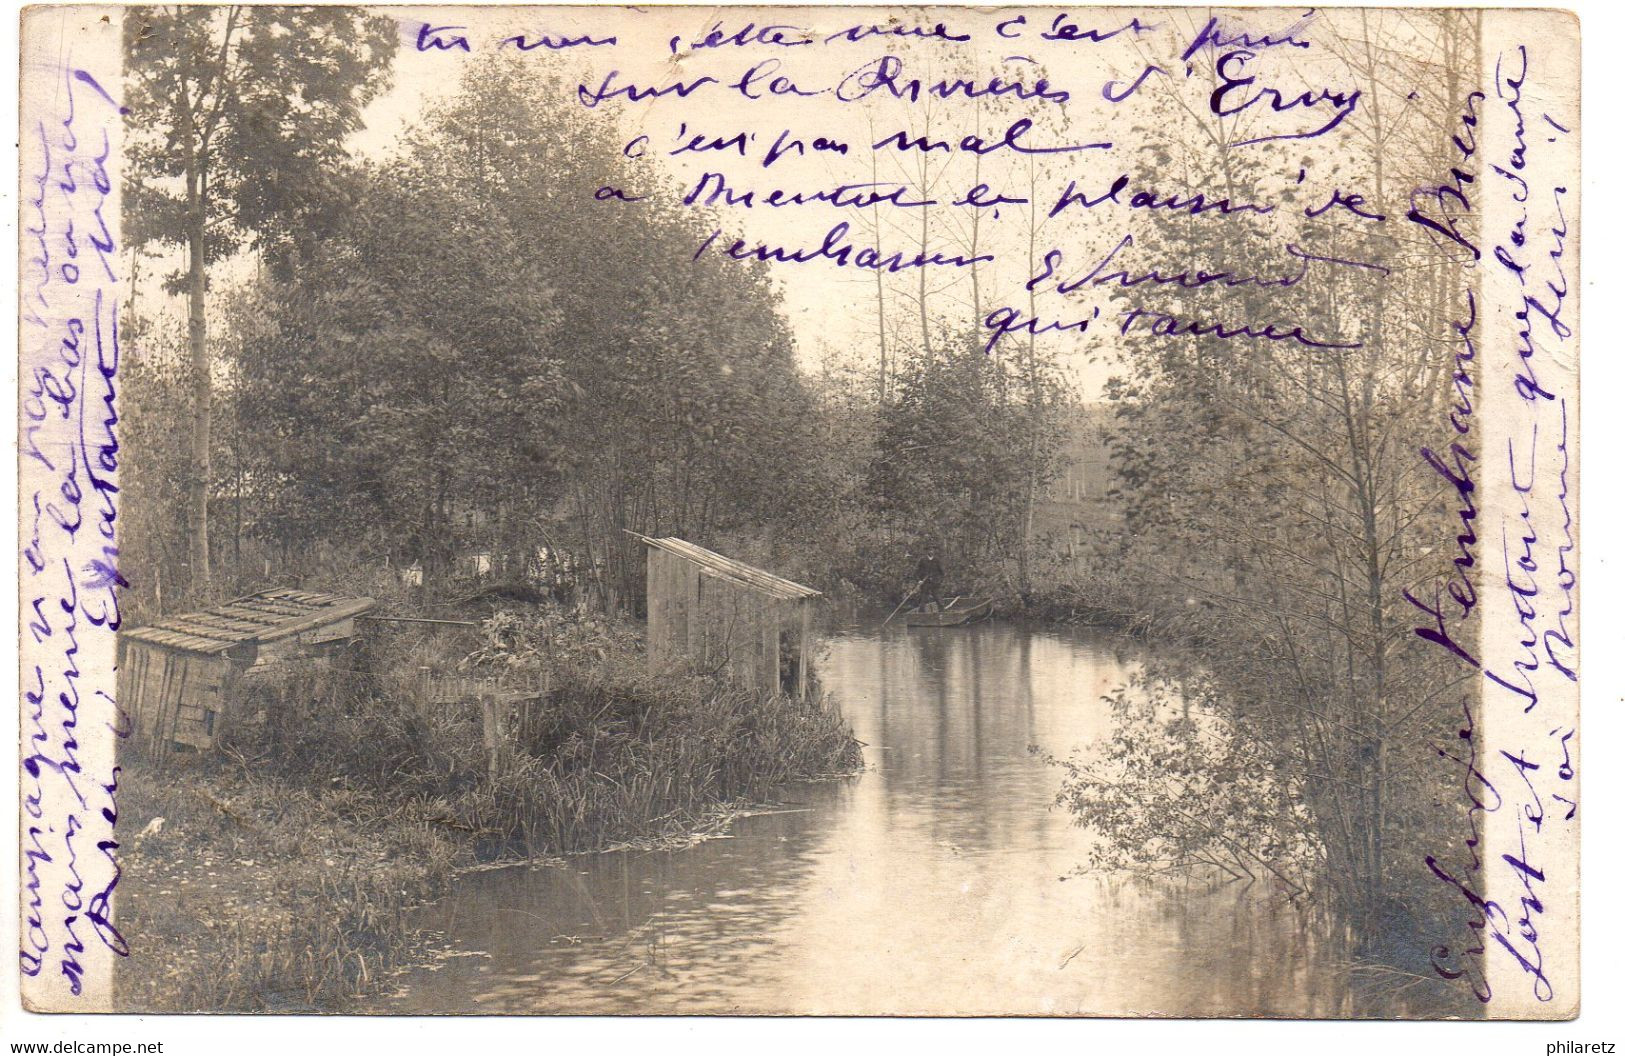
point(348, 791)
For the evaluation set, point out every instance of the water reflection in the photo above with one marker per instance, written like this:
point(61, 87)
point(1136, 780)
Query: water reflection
point(937, 882)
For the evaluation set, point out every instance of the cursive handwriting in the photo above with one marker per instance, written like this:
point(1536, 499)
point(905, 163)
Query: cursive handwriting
point(1212, 35)
point(973, 144)
point(1456, 467)
point(1195, 204)
point(70, 579)
point(1239, 92)
point(1440, 208)
point(1166, 324)
point(887, 74)
point(713, 188)
point(835, 249)
point(1185, 278)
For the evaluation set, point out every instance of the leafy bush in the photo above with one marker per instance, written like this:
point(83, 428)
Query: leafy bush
point(591, 746)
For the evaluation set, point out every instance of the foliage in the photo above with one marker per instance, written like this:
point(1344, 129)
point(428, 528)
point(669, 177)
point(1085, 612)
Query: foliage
point(1277, 507)
point(153, 543)
point(593, 747)
point(458, 382)
point(1175, 787)
point(345, 794)
point(434, 375)
point(267, 893)
point(238, 121)
point(241, 113)
point(958, 450)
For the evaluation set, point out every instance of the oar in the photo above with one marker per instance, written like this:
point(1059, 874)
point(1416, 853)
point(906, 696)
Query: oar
point(900, 604)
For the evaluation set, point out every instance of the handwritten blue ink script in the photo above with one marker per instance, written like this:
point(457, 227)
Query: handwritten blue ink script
point(70, 582)
point(1222, 364)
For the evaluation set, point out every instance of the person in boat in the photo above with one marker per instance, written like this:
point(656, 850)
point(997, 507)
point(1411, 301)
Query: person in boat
point(929, 575)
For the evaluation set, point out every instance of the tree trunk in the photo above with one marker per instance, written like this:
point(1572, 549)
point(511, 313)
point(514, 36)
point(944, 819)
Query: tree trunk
point(925, 240)
point(202, 389)
point(880, 282)
point(1035, 401)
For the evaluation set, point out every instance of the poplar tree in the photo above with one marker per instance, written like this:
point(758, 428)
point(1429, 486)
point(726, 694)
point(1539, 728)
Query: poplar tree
point(237, 121)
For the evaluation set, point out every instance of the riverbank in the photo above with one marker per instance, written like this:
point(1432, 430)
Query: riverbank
point(278, 874)
point(1102, 595)
point(1071, 607)
point(951, 844)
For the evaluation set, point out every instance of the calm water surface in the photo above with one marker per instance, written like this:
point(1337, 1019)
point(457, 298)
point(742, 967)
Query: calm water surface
point(936, 882)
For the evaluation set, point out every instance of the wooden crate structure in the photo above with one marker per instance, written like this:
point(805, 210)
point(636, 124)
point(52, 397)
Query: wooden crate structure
point(173, 675)
point(721, 614)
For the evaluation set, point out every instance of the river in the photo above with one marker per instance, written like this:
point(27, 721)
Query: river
point(939, 881)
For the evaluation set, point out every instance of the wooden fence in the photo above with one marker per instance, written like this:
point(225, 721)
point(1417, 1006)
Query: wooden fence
point(497, 696)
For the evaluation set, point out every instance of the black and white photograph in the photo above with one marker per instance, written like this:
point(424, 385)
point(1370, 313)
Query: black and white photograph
point(800, 511)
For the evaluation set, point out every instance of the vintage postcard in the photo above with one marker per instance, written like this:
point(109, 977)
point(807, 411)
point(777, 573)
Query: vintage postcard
point(800, 511)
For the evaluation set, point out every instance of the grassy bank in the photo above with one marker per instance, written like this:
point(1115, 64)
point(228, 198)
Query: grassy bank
point(1122, 589)
point(348, 791)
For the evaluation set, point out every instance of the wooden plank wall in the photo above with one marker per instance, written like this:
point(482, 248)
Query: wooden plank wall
point(742, 633)
point(668, 600)
point(713, 622)
point(200, 712)
point(172, 697)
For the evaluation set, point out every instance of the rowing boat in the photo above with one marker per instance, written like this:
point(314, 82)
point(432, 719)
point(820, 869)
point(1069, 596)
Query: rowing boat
point(956, 612)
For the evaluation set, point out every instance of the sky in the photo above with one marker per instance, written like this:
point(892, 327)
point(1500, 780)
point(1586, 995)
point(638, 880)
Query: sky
point(830, 307)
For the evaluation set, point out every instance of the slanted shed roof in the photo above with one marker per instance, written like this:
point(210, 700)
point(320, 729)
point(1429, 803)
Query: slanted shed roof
point(733, 571)
point(269, 616)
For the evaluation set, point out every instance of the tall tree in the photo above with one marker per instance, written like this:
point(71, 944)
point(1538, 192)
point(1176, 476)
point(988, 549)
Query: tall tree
point(956, 448)
point(238, 119)
point(1273, 492)
point(477, 395)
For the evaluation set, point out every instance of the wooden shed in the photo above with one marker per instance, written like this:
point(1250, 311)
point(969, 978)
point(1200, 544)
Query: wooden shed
point(172, 674)
point(725, 614)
